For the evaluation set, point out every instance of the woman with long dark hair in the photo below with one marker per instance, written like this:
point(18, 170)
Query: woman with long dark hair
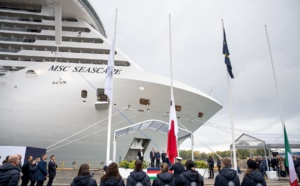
point(164, 177)
point(112, 176)
point(252, 176)
point(190, 176)
point(84, 177)
point(138, 176)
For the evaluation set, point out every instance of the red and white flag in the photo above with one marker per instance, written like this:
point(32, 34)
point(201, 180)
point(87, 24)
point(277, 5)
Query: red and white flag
point(173, 133)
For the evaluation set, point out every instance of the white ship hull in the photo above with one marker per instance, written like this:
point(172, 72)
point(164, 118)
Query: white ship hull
point(41, 103)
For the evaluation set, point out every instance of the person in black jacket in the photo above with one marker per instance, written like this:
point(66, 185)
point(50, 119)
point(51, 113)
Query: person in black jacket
point(10, 172)
point(51, 170)
point(141, 155)
point(163, 156)
point(190, 176)
point(252, 176)
point(211, 164)
point(157, 158)
point(178, 168)
point(112, 176)
point(25, 171)
point(219, 164)
point(152, 157)
point(84, 177)
point(32, 171)
point(164, 177)
point(41, 173)
point(227, 175)
point(138, 176)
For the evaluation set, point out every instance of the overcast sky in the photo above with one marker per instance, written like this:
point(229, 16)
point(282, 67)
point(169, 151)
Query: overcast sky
point(143, 35)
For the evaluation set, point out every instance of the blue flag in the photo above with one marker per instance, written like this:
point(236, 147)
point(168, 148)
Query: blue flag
point(226, 53)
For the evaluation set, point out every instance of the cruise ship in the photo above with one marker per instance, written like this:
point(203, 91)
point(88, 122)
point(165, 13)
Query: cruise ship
point(53, 62)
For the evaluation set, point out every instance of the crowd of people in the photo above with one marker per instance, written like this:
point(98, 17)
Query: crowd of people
point(36, 171)
point(33, 170)
point(156, 156)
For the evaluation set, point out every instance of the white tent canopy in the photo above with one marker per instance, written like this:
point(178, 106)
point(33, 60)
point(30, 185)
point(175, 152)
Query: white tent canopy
point(267, 141)
point(156, 125)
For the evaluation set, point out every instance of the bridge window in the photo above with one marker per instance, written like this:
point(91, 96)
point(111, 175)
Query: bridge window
point(101, 96)
point(144, 101)
point(84, 94)
point(178, 108)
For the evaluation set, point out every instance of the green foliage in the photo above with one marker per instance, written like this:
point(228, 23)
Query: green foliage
point(200, 164)
point(130, 165)
point(124, 164)
point(243, 153)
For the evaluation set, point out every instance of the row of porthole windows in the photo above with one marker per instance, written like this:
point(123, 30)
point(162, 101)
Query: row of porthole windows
point(54, 49)
point(62, 60)
point(38, 28)
point(143, 101)
point(32, 38)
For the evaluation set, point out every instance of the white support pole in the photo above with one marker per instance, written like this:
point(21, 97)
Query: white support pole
point(275, 80)
point(115, 148)
point(192, 143)
point(110, 106)
point(232, 125)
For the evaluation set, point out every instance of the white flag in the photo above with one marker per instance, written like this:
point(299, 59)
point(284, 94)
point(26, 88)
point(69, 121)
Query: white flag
point(110, 71)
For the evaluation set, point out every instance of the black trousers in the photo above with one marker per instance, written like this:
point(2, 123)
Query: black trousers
point(39, 183)
point(25, 181)
point(157, 163)
point(142, 159)
point(152, 162)
point(211, 171)
point(50, 181)
point(32, 182)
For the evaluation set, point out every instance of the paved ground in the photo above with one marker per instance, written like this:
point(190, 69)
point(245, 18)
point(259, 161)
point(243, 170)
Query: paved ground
point(65, 178)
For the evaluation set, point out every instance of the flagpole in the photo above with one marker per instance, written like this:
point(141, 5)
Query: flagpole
point(110, 101)
point(275, 80)
point(171, 70)
point(231, 118)
point(232, 124)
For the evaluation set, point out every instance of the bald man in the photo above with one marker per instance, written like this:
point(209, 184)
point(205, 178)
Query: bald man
point(9, 172)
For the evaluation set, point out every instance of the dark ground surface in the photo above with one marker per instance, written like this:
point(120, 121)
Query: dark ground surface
point(65, 177)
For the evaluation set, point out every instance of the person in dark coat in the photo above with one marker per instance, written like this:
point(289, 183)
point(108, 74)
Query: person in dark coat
point(190, 176)
point(157, 158)
point(51, 170)
point(210, 163)
point(141, 155)
point(25, 171)
point(84, 177)
point(252, 176)
point(163, 156)
point(152, 157)
point(32, 171)
point(5, 161)
point(10, 172)
point(177, 168)
point(219, 164)
point(164, 177)
point(274, 163)
point(106, 166)
point(112, 176)
point(227, 175)
point(41, 173)
point(138, 176)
